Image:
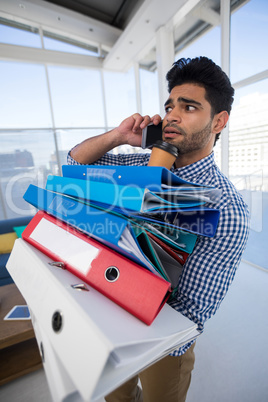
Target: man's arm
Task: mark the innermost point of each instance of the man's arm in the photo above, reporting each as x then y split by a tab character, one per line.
128	132
210	269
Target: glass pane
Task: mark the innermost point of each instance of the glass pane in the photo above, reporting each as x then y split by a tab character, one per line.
25	158
249	165
24	99
248	136
149	92
76	97
249	32
217	151
120	95
207	45
55	44
20	37
67	139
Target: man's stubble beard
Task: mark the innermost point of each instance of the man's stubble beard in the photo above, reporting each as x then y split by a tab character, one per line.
193	142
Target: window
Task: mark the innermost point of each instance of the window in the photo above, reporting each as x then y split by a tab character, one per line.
62	44
76	97
249	32
24	99
25	158
248	163
208	45
67	139
149	92
120	93
19	34
249	138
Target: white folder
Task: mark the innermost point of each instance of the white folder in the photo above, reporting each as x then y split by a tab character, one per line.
89	344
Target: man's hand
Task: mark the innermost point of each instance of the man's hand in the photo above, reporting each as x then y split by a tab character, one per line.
131	128
128	132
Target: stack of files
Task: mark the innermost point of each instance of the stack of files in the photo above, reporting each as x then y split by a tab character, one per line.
116	231
126	283
143	193
135	188
89	345
149	236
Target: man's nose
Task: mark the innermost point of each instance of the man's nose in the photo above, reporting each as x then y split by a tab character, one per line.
173	116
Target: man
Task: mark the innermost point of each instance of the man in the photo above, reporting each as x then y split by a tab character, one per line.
197	110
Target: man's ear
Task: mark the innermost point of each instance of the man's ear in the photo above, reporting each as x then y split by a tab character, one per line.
219	122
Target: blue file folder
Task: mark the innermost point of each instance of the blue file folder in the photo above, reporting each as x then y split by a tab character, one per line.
200	221
193	219
125	198
154	178
111	230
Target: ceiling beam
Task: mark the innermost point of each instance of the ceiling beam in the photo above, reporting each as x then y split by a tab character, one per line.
185	10
208	15
49	57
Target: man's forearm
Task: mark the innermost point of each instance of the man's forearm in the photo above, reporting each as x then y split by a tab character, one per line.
94	148
128	132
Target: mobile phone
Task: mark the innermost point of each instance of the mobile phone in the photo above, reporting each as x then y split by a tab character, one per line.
150	135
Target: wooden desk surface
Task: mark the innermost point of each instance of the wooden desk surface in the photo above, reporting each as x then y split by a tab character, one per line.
19	353
12	332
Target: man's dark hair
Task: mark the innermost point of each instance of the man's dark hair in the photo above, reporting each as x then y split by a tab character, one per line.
204	72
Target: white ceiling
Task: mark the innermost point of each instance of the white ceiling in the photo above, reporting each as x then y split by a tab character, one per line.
124	29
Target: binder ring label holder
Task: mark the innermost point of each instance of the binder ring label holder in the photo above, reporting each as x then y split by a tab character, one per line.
57	321
112	274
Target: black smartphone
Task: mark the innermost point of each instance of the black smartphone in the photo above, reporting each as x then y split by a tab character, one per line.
151	134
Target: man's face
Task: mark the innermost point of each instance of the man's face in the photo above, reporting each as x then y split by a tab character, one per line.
188	123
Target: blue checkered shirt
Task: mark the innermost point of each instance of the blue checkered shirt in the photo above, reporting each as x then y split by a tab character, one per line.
210	269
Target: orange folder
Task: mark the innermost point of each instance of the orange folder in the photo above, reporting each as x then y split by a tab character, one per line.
126	283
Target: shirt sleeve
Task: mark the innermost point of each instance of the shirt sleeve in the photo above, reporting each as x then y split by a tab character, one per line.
131	159
210	269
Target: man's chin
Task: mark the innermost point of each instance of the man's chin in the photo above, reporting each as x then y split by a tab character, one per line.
171	140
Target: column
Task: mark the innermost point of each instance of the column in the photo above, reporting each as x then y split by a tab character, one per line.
164	58
225	64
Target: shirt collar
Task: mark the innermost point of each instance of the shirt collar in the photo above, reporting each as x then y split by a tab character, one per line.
197	168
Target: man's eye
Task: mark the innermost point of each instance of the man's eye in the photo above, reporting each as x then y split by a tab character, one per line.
190	108
168	109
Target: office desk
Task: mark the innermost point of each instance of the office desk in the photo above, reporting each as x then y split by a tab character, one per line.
19	353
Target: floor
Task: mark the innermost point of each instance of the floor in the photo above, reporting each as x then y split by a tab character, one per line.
231	355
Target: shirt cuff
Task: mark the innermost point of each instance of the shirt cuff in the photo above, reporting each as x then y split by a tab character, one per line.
71	160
